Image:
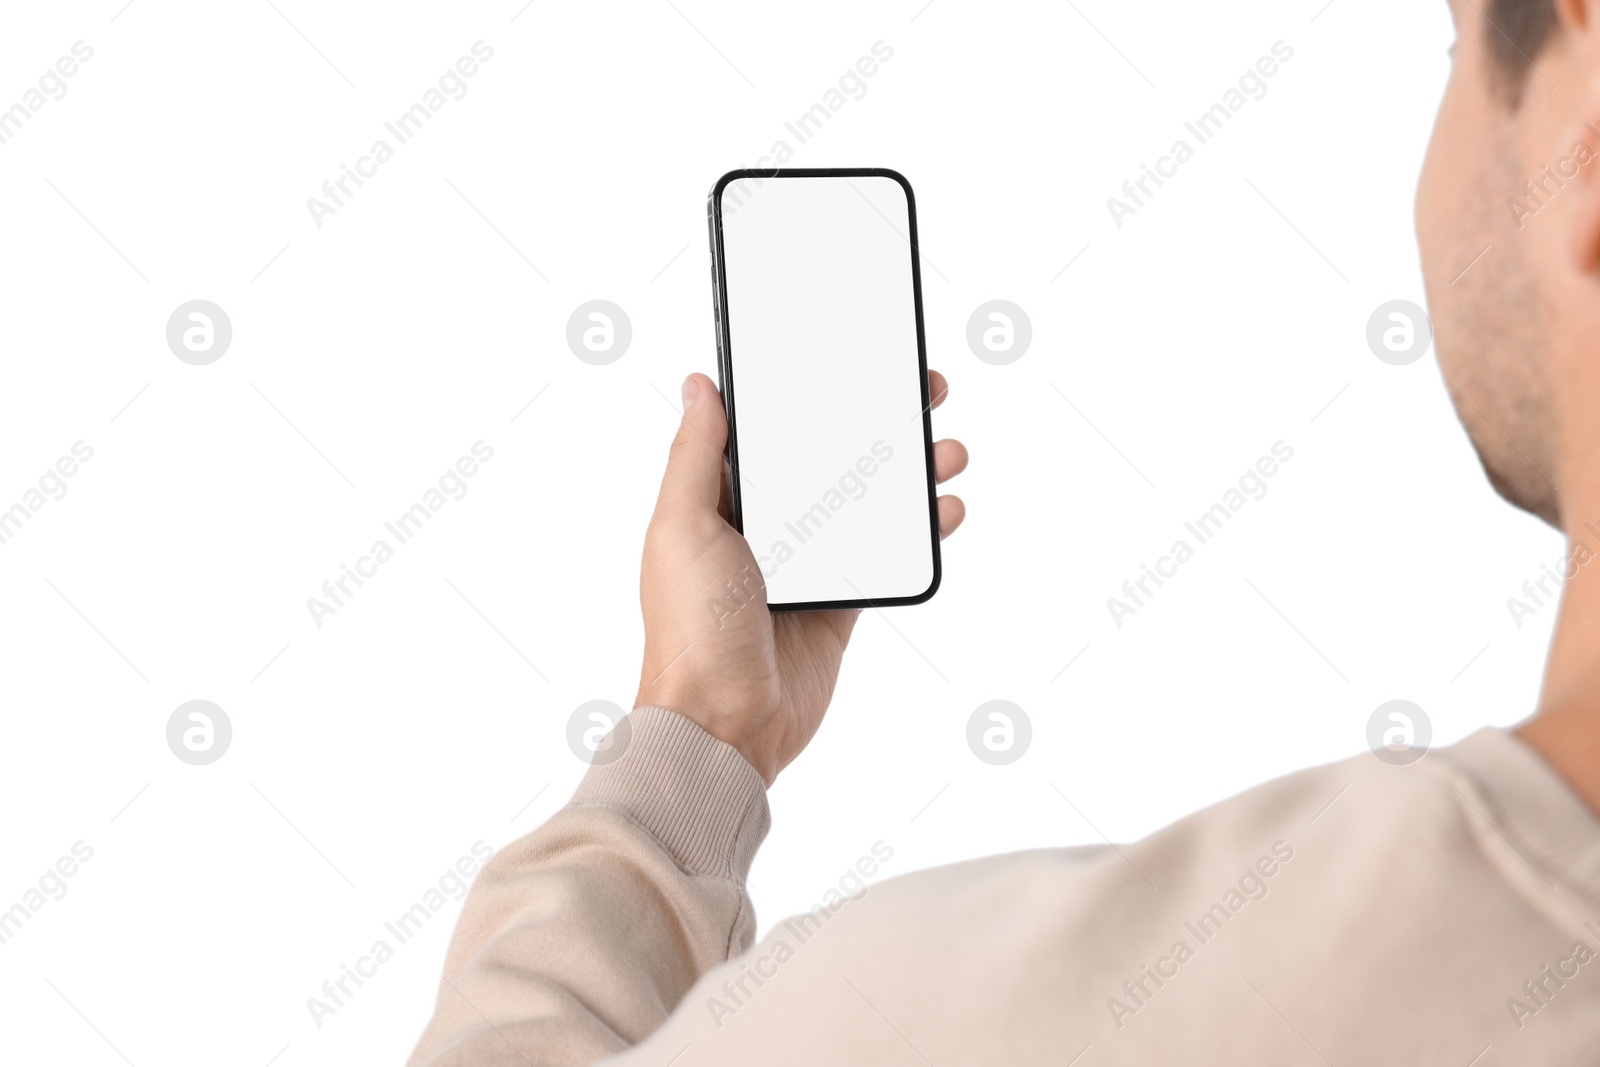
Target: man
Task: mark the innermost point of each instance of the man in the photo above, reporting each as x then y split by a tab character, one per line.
1445	912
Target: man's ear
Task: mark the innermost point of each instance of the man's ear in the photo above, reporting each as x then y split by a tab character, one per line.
1585	216
1580	25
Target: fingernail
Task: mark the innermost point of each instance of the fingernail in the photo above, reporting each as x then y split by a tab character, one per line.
691	389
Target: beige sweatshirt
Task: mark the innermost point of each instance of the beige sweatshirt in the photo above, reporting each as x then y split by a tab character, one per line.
1357	914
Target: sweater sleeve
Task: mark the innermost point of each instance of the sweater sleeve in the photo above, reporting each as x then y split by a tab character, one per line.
578	940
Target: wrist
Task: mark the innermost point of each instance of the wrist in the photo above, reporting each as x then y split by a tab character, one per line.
732	729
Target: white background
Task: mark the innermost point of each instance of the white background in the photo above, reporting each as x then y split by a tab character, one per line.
425	714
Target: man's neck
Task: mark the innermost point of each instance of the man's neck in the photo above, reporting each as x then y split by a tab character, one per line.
1566	732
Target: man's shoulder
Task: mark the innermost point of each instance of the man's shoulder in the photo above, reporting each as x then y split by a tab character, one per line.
1360	801
1363	799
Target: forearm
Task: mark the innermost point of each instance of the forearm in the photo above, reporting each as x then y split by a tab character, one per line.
579	939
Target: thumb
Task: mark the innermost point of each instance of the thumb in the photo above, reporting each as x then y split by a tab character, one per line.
693	481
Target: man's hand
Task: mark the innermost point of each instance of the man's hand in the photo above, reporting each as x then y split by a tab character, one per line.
757	681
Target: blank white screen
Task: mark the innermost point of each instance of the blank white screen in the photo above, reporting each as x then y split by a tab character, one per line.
826	385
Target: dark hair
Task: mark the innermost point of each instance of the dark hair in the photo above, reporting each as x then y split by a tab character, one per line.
1518	31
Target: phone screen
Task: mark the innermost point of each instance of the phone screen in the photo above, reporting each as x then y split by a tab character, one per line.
824	374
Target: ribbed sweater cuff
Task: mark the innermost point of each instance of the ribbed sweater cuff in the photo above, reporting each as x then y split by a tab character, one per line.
696	795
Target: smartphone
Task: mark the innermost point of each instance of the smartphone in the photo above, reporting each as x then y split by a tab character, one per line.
824	373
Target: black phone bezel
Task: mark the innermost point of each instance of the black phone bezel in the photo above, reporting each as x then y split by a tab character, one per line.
725	364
